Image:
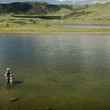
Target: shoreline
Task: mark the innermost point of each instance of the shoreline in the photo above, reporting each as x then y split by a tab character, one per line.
53	30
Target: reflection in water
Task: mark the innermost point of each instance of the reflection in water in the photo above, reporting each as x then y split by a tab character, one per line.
96	54
75	59
75	53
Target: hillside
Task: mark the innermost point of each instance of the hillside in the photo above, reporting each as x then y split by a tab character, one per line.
89	14
94	14
30	8
41	17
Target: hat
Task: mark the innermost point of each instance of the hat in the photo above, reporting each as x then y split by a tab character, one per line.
8	69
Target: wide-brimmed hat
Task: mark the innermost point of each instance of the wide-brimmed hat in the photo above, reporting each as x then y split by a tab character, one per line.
8	69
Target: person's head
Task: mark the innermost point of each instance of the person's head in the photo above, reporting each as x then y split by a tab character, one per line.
8	69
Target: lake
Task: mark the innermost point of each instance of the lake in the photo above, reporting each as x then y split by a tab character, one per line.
62	71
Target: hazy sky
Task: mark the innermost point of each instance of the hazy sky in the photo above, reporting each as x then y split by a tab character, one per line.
60	1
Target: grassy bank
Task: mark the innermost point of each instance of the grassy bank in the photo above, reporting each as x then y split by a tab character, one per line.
20	25
23	23
47	29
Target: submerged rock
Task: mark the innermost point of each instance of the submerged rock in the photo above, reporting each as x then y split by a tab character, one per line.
50	109
14	99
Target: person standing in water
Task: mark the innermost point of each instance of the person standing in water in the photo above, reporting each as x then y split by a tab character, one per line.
9	77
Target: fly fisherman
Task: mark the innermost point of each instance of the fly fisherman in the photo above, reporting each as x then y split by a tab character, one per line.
9	77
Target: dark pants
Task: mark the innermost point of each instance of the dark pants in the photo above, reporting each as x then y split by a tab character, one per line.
8	82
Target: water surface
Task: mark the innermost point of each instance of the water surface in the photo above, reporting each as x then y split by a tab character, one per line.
60	71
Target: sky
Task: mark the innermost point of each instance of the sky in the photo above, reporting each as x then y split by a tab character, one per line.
60	1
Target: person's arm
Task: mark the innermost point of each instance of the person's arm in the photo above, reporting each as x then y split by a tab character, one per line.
13	75
5	75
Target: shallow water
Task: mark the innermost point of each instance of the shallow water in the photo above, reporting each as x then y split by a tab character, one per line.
56	71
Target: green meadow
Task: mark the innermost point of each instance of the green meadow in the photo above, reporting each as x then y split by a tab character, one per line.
89	14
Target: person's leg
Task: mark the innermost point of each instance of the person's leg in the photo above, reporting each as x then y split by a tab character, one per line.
11	81
8	82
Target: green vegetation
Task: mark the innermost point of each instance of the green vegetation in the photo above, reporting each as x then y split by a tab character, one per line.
42	17
94	14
